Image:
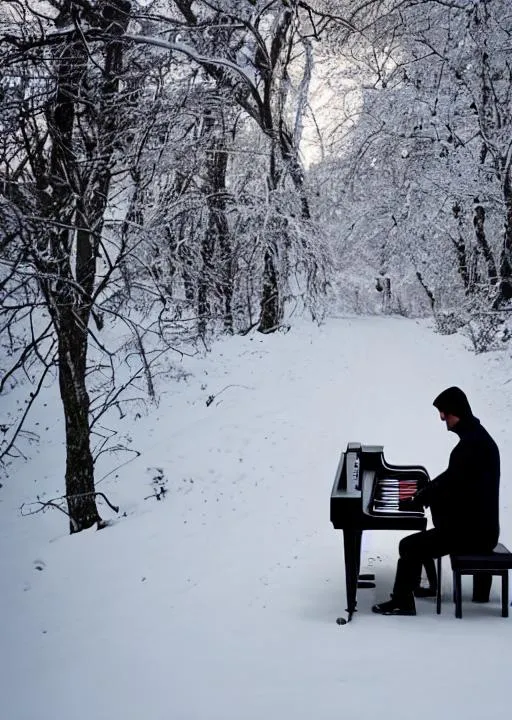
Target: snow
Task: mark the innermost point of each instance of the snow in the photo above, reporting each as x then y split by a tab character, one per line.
243	72
219	602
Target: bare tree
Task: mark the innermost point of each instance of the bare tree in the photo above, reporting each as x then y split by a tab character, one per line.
63	128
427	147
261	52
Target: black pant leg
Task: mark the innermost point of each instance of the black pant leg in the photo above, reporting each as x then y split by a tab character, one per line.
482	587
408	574
430	569
415	550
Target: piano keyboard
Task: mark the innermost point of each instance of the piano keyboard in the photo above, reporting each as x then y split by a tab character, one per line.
390	493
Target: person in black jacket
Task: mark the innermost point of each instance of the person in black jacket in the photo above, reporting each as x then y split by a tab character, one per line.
464	502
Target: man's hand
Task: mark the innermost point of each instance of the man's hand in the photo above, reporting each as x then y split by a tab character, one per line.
421	497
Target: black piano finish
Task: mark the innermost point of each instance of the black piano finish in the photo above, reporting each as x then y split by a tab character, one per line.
353	505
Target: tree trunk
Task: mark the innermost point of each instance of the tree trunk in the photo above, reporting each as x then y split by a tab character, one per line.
462	262
463	265
483	245
226	262
270	306
428	291
80	496
215	278
505	287
203	303
218	227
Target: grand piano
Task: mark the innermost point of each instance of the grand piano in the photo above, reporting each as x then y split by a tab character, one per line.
369	494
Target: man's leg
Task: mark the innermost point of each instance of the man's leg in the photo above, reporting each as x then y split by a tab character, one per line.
482	587
414	551
430	590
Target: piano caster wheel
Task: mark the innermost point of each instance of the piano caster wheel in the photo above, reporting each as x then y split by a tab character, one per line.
344	621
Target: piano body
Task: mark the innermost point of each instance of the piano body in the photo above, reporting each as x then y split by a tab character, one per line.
368	494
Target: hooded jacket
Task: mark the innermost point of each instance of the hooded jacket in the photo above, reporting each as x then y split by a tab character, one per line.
464	499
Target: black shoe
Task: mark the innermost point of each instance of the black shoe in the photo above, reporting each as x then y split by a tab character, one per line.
393	607
425	592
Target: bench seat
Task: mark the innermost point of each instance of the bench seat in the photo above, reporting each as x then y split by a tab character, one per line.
498	562
499	559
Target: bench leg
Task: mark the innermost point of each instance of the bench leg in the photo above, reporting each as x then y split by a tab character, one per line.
457	589
439	585
504	594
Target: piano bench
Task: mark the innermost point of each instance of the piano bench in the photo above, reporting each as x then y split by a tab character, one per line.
499	562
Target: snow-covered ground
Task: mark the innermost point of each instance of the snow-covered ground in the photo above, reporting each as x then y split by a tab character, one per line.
219	602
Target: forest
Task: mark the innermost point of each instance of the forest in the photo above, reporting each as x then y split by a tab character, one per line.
174	170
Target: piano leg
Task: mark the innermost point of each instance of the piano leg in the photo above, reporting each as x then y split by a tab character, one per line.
352	544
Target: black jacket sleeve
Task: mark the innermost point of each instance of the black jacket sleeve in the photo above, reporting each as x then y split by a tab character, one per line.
449	483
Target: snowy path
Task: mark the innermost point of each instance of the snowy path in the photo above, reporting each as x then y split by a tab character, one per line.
219	603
